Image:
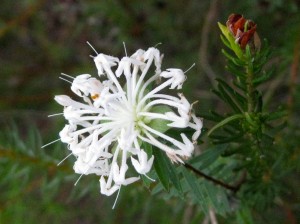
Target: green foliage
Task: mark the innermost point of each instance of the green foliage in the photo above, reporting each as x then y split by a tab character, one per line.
230	42
160	125
166	171
181	182
247	126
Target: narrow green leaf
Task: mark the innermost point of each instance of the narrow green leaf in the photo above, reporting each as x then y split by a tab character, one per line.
175	180
158	188
230	99
230	57
211	192
262	56
218	137
225	41
236	70
195	189
264	77
231	40
259	104
217	115
223	205
250	118
148	149
275	115
169	170
209	156
231	128
146	181
244	216
224	30
160	167
225	121
218	93
236	61
240	99
240	84
248	52
222	94
235	138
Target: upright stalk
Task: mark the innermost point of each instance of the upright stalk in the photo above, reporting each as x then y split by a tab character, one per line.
249	83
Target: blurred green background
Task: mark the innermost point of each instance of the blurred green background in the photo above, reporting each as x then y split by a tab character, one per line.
39	39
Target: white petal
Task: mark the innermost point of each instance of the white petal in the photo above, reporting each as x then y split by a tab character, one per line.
79	84
103	61
136	164
130	180
198	126
119	173
189	146
63	100
139	55
80	166
107	191
178	122
64	134
142	166
176	75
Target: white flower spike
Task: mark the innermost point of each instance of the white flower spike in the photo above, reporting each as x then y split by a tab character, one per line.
113	120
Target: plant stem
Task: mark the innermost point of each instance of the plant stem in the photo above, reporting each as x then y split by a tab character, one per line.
215	181
250	91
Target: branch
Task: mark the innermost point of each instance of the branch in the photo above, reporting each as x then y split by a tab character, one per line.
215	181
210	19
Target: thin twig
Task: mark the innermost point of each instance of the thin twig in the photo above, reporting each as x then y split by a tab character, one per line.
210	19
215	181
212	216
189	213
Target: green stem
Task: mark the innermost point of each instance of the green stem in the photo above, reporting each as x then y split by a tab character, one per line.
250	89
251	102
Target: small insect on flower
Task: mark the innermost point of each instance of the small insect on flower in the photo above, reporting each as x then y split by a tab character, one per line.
113	120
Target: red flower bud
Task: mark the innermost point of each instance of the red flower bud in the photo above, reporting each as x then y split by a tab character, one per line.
243	30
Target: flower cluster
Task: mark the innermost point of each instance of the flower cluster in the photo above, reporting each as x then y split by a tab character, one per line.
105	131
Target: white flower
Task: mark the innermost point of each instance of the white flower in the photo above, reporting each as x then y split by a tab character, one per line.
113	120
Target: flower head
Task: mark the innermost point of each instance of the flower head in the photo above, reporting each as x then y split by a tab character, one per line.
113	119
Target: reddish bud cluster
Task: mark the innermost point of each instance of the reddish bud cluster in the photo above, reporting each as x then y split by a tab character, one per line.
242	29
